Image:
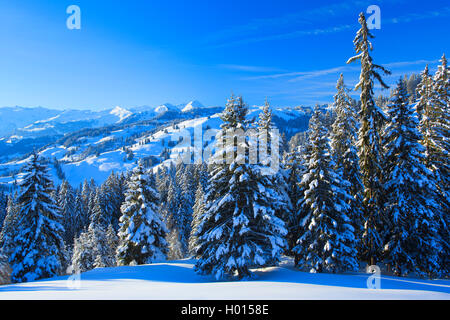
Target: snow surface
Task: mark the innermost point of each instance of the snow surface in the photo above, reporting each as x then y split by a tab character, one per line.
176	280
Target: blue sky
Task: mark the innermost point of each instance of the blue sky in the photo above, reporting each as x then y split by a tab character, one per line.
132	53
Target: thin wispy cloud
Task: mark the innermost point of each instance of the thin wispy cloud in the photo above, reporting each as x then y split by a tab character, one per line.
314	74
301	75
245	68
319	13
304	17
412	17
320	85
409	63
287	35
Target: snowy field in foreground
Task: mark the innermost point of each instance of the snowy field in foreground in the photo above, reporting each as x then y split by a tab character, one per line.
176	280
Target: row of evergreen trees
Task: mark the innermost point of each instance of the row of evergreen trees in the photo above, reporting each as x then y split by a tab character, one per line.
370	184
371	187
93	219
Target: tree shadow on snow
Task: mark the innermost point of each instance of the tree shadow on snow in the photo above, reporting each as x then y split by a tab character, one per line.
349	280
173	271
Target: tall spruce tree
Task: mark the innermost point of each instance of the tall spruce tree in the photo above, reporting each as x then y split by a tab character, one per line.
142	230
271	167
345	154
440	158
369	145
328	242
38	244
411	206
239	228
433	113
441	105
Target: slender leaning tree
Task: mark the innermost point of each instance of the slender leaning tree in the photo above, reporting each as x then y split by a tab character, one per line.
370	152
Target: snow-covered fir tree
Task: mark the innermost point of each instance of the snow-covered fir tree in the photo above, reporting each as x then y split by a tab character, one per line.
38	244
271	166
94	248
198	209
112	241
3	207
328	242
201	174
369	145
185	202
142	230
164	177
5	270
423	104
81	213
175	218
9	226
179	189
433	112
432	106
441	106
106	243
294	170
411	203
86	195
99	217
89	193
112	191
239	228
440	155
345	154
84	251
412	83
66	205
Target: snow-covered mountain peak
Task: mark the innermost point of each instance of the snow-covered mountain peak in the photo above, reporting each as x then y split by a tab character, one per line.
120	112
193	105
165	107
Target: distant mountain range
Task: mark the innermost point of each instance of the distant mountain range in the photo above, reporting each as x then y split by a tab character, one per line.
90	144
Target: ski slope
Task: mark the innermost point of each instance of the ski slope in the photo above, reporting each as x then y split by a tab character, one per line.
176	280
